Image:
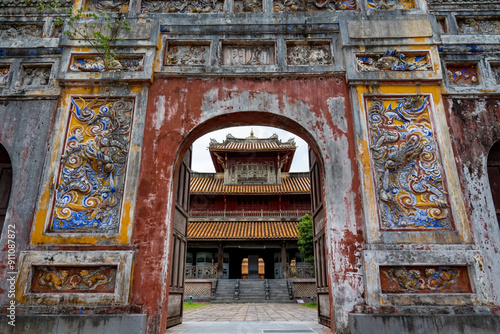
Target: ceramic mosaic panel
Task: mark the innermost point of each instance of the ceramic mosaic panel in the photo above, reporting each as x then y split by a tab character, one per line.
391	4
248	55
248	6
69	279
36	75
462	74
189	6
425	279
92	171
318	53
310	6
408	172
4	74
478	25
187	54
393	61
94	63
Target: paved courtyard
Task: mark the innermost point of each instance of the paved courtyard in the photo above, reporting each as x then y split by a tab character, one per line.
250	319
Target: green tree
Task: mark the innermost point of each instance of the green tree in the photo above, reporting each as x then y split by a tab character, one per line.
306	239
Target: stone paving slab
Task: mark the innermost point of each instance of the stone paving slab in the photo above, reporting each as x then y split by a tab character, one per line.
250	327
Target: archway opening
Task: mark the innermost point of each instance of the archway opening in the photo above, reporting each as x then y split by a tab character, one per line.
494	176
224	222
5	183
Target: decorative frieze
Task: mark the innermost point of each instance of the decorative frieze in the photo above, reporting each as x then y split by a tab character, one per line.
393	61
309	6
237	55
57	279
109	6
19	30
408	173
4	74
187	54
391	4
312	53
478	25
425	279
188	6
248	6
495	68
36	75
462	74
92	171
93	63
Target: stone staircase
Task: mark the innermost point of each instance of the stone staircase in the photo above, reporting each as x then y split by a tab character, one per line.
251	291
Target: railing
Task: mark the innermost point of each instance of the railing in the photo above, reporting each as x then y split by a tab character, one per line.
300	271
268	290
199	272
290	289
249	213
237	290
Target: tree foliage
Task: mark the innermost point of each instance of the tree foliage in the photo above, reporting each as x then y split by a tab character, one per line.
306	238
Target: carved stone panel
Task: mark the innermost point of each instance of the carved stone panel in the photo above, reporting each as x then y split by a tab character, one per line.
478	25
309	6
462	74
90	184
248	6
4	74
237	55
391	4
393	61
19	30
425	279
36	75
188	6
94	63
408	173
117	6
313	53
70	279
187	54
495	68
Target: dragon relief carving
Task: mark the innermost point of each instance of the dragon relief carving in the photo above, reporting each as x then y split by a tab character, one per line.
90	186
73	278
392	61
409	181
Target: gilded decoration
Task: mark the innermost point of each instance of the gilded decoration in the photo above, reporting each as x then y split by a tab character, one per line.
21	30
92	173
391	4
248	55
248	6
73	279
393	61
96	64
312	5
478	25
408	173
462	75
182	6
36	75
187	55
319	54
425	279
4	74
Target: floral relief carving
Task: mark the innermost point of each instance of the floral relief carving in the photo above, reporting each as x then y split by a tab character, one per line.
186	6
92	172
36	75
408	173
312	5
248	6
319	54
187	55
20	30
96	64
391	4
478	25
73	279
393	61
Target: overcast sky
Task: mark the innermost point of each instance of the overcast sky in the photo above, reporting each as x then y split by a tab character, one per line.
203	163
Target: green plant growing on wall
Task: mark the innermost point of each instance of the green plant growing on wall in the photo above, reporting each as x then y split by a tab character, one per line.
306	238
99	30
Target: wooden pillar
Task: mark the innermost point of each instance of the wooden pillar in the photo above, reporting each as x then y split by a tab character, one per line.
220	259
283	260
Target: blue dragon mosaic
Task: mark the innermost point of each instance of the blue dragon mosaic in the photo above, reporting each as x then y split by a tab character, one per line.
409	181
88	194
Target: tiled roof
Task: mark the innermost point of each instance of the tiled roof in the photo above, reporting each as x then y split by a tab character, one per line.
242	230
252	146
289	185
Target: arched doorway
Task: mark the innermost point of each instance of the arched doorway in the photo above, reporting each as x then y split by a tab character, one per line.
5	183
494	175
252	265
